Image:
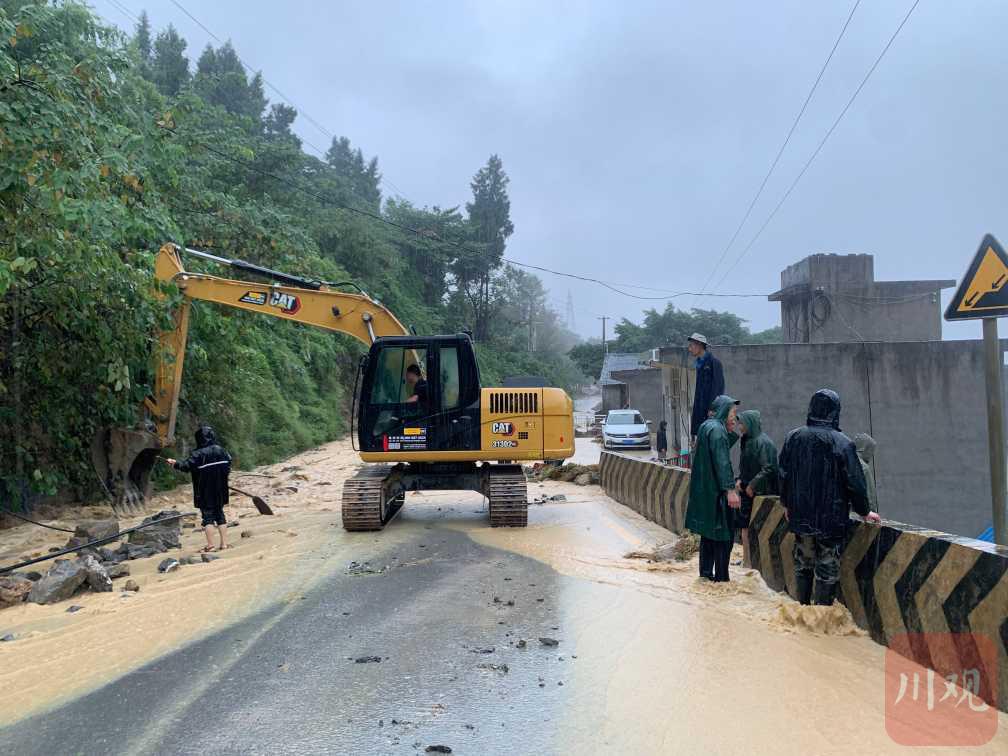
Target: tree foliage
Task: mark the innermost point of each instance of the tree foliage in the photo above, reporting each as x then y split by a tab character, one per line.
111	148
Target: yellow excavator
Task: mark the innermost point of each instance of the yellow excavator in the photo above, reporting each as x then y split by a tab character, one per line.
419	411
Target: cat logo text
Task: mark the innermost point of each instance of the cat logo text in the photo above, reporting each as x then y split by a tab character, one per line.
288	303
503	429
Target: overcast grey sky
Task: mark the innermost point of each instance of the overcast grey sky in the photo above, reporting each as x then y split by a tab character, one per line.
636	133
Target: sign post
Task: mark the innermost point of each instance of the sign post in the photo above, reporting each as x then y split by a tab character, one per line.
983	294
995	427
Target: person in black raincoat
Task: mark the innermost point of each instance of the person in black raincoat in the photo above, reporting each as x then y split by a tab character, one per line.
712	491
710	382
210	467
757	472
661	440
821	479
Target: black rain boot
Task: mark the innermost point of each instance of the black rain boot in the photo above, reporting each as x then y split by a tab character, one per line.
824	593
804	589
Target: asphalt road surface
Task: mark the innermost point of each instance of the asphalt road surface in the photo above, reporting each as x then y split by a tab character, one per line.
442	613
435	641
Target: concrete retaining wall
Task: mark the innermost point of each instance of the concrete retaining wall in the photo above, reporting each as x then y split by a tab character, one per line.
894	579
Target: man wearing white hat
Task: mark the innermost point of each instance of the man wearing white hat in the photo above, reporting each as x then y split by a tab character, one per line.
710	382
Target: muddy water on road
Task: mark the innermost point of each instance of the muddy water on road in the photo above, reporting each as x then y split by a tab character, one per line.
667	663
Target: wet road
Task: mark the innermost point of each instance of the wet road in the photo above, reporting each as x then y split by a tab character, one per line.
287	680
649	660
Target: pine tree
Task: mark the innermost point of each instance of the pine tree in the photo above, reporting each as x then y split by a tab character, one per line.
220	80
170	66
363	179
142	40
490	221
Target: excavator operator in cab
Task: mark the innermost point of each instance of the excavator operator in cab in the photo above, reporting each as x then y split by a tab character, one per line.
415	380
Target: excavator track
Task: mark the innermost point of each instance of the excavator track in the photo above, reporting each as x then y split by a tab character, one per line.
508	497
364	503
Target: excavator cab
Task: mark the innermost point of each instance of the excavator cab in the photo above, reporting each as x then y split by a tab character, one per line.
420	395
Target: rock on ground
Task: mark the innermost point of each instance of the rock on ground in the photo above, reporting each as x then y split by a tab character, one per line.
131	585
159	536
118	571
14	590
97	579
61	582
168	565
93	530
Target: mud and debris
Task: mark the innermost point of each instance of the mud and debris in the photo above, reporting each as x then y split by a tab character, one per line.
631	622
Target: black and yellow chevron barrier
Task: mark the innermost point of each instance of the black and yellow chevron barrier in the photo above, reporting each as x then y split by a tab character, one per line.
658	492
908	587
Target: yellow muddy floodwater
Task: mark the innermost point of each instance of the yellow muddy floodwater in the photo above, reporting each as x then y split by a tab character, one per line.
680	665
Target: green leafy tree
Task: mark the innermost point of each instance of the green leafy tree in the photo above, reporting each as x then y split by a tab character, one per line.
361	178
672	327
169	69
588	356
220	80
106	159
277	123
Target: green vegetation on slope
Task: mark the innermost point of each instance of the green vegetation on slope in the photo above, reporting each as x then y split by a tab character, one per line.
112	146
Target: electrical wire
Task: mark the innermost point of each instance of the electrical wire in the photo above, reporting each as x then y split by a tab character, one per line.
617	288
822	143
472	254
285	98
33	522
783	146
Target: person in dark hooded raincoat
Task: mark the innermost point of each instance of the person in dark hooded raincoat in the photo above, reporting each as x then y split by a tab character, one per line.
757	472
712	490
210	467
821	479
661	441
865	446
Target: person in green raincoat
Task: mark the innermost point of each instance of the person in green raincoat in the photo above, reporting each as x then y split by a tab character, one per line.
757	472
712	490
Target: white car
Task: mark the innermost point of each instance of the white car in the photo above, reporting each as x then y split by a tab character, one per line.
625	429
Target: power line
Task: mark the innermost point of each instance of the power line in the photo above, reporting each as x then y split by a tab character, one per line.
783	146
325	199
616	288
288	100
822	143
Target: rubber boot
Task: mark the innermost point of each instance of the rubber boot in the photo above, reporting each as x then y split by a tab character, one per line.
804	589
824	593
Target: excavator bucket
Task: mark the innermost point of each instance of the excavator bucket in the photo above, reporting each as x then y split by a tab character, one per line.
124	459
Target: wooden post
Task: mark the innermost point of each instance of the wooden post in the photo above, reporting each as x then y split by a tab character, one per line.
995	429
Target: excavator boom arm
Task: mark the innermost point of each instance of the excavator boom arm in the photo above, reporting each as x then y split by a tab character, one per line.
310	303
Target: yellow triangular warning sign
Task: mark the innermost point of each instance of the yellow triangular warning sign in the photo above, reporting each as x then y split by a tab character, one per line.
983	291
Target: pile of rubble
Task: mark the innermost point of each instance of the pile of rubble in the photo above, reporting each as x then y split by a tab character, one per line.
94	567
582	475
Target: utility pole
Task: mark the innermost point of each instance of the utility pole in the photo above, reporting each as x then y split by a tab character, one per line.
995	428
570	311
532	323
605	347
